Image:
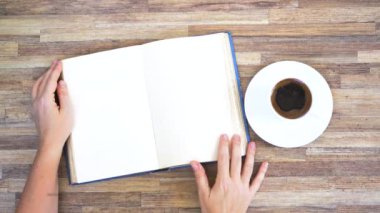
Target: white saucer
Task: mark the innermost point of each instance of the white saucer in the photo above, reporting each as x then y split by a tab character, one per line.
274	128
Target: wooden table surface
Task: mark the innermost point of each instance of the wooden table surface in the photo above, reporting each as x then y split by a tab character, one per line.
339	172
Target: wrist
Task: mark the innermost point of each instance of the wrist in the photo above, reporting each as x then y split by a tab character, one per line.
50	148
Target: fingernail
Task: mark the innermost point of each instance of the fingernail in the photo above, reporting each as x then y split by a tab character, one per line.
195	165
236	136
252	145
224	137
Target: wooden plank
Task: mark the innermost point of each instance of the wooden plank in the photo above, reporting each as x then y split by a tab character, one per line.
272	30
269	199
92	209
355	102
8	48
16	86
289	183
350	68
16	185
128	184
324	15
330	58
29	61
19	116
375	70
361	81
125	199
20	74
17	156
3	185
2	116
347	139
74	47
12	84
169	199
11	98
354	123
372	56
246	72
248	58
292	209
189	210
337	3
319	183
306	45
19	142
358	208
178	184
18	38
340	154
24	31
70	209
17	171
259	16
46	7
324	168
276	154
321	198
7	202
11	131
130	32
39	22
357	183
219	5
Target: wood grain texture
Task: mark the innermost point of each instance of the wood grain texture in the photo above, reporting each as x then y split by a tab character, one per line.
341	29
8	48
339	172
325	15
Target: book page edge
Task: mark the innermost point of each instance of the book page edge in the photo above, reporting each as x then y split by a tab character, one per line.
71	166
236	99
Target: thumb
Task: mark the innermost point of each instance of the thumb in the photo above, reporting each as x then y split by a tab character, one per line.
201	180
63	95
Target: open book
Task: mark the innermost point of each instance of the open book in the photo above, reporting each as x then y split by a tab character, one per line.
152	106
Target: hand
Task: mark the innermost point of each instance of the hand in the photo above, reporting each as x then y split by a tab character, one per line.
54	123
232	191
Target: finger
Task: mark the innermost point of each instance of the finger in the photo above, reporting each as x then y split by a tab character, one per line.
51	84
236	158
223	158
201	179
249	163
46	77
63	96
36	86
256	183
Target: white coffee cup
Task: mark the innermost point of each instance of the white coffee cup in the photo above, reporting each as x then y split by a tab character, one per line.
272	125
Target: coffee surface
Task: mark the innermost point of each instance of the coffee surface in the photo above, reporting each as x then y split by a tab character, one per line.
291	98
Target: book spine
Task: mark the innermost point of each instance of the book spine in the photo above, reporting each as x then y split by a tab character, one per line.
66	156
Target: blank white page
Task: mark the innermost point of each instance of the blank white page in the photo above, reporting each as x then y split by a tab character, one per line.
113	133
192	100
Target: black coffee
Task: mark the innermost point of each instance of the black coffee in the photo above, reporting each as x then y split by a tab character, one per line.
291	98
